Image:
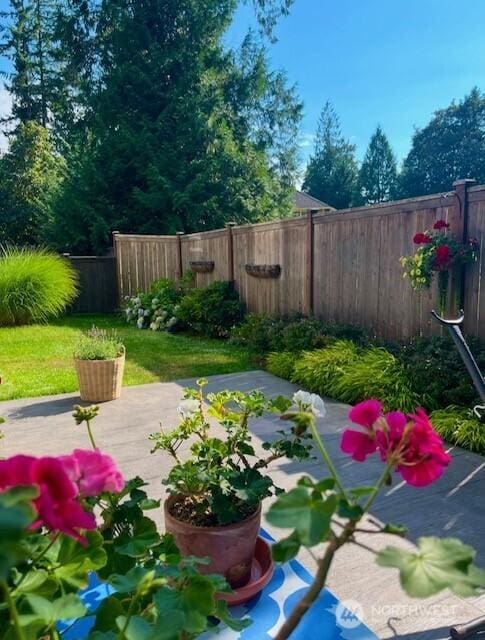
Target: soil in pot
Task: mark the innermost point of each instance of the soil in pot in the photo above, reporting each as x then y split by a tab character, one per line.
230	548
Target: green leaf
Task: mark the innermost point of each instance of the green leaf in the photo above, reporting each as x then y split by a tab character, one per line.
438	564
327	484
137	629
250	486
280	404
286	549
50	612
224	615
107	613
169	628
143	537
348	510
136	579
77	561
395	529
308	513
361	492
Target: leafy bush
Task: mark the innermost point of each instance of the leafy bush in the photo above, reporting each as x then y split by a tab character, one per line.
375	373
460	426
212	311
265	333
318	370
434	364
35	285
282	364
97	344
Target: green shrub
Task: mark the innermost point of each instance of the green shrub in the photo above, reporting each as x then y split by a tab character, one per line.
460	426
318	370
258	332
155	309
437	371
98	344
375	373
212	311
282	364
302	334
35	285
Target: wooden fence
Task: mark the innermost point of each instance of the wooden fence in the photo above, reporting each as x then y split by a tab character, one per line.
342	266
98	290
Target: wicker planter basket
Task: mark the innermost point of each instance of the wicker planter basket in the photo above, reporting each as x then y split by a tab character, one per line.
100	380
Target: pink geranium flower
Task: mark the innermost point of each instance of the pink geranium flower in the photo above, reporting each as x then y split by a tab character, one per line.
440	224
93	472
56	505
409	443
421	238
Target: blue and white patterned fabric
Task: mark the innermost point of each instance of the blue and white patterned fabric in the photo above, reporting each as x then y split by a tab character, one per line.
267	611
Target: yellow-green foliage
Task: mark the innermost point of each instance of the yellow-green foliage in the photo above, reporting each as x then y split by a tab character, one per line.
375	373
282	364
35	285
460	426
318	370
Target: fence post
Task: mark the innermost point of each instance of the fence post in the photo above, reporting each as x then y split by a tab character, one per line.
180	267
230	251
461	193
309	263
114	236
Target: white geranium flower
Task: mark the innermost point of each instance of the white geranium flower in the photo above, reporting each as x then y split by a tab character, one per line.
188	407
310	402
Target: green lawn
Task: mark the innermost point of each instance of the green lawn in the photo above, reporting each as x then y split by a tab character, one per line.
37	360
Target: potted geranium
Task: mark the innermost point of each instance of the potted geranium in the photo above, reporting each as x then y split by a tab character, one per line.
438	254
214	507
100	361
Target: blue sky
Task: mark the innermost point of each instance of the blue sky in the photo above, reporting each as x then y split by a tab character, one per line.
391	62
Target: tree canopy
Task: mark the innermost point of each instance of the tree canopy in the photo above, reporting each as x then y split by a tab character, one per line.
378	174
331	172
450	147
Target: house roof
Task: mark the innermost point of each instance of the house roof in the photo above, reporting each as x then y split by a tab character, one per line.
304	201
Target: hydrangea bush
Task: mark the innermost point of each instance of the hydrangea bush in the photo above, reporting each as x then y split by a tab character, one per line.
157	309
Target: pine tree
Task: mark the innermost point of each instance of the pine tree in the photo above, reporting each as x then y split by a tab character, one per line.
331	172
378	174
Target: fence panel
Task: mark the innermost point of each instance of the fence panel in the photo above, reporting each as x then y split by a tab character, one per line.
357	275
282	243
475	274
141	260
98	291
211	246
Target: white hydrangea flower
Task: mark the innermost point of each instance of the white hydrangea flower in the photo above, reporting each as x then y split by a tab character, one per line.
136	300
140	322
172	322
188	407
310	402
153	326
155	301
146	313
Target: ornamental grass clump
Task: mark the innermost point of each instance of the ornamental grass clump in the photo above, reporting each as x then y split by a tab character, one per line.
320	370
35	285
282	364
460	426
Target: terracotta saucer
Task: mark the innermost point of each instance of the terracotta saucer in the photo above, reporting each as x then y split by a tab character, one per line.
261	573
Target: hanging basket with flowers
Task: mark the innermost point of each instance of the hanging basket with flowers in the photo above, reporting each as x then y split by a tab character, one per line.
438	254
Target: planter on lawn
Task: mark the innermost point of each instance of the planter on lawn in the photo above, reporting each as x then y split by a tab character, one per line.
230	548
100	380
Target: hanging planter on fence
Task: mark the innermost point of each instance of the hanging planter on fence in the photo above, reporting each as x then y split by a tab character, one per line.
263	270
202	266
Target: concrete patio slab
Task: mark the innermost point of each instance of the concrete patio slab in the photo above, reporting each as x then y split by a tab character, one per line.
454	506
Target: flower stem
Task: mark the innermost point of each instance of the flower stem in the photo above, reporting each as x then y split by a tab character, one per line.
326	457
379	485
90	434
14	616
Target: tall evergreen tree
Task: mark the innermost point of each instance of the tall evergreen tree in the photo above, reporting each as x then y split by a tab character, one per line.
331	172
30	174
450	147
378	174
183	134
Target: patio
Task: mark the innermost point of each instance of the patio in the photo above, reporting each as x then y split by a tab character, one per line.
451	507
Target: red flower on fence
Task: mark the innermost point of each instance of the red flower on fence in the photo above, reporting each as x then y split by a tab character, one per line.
441	224
421	238
442	257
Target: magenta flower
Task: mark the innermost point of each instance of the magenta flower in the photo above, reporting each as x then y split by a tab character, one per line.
440	224
408	443
93	472
421	238
56	505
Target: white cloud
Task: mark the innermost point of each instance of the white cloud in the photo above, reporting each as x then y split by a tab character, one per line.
307	140
5	110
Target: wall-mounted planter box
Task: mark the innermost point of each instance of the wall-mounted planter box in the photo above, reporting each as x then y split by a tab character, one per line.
263	270
202	266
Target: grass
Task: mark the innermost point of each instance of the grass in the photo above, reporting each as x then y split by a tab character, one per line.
37	360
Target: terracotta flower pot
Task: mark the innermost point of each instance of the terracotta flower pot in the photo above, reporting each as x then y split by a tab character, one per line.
100	380
230	548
